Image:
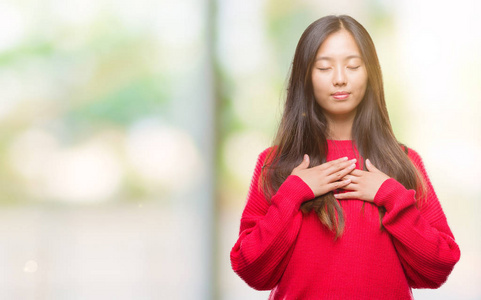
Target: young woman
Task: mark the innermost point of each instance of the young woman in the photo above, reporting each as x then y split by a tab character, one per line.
338	208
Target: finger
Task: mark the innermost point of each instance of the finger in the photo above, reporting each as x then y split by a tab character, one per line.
354	179
346	195
304	163
337	185
331	163
353	187
357	172
341	173
340	166
370	166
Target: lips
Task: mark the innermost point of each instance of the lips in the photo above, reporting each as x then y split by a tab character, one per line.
340	95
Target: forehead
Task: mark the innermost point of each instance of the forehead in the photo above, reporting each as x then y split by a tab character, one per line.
338	45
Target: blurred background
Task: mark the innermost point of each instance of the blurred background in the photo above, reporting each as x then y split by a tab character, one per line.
129	131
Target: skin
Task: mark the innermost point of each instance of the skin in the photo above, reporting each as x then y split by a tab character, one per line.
339	67
363	185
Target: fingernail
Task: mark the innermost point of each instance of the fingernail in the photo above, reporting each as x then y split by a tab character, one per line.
345	158
305	156
368	161
353	160
353	165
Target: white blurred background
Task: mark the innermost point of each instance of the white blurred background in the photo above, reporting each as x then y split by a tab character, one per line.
129	133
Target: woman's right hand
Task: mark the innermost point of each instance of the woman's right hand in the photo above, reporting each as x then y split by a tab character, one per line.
325	177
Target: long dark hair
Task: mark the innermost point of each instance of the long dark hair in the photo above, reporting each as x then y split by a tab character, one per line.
304	128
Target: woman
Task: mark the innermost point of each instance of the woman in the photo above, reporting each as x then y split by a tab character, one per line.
338	208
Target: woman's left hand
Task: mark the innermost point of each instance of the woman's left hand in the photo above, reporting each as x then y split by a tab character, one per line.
364	184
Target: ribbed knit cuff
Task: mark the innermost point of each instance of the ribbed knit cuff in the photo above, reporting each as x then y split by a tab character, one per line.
392	194
295	190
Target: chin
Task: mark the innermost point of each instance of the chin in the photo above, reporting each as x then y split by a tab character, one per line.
341	113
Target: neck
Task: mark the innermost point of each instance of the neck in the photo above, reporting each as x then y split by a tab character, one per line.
340	127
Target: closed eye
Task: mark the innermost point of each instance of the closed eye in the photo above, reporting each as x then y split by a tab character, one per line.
354	68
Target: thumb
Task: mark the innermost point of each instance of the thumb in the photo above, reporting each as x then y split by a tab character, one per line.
304	164
370	166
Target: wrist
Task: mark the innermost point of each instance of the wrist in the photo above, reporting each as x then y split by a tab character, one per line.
296	189
388	193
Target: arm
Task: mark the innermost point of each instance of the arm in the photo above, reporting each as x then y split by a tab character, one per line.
421	235
268	231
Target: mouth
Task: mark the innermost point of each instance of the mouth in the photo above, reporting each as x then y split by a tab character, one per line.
342	95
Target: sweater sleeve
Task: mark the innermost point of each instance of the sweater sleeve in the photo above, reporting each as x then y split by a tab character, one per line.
268	230
421	235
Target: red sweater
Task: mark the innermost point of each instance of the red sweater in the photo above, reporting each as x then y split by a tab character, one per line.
294	255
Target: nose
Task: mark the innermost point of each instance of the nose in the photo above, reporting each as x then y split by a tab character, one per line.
339	77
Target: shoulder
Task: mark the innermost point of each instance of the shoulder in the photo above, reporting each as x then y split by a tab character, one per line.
267	151
267	154
414	157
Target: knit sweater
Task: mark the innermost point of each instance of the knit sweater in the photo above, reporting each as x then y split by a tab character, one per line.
291	253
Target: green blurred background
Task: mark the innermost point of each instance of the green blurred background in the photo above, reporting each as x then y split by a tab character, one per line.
129	133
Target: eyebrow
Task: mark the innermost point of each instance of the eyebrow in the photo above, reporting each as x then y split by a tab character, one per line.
330	58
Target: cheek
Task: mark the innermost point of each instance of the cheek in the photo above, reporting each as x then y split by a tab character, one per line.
361	83
319	83
364	80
